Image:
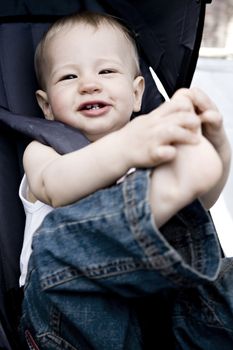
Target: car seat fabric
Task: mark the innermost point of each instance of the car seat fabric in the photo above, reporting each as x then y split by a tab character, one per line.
11	228
169	42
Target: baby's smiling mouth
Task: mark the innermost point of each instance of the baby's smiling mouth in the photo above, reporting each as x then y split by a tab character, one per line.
94	108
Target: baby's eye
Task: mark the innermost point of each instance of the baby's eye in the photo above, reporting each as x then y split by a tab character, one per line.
107	71
69	76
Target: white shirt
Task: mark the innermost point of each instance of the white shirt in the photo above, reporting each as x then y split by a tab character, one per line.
35	214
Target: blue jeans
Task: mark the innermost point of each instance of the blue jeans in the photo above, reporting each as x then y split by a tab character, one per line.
102	276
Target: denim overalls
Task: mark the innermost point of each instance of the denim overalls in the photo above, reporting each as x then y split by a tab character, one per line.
102	276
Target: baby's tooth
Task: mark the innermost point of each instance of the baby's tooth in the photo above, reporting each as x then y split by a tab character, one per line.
96	106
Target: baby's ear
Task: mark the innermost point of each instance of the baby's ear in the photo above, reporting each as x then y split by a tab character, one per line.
139	86
42	99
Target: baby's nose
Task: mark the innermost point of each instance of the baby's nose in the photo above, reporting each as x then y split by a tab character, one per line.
88	86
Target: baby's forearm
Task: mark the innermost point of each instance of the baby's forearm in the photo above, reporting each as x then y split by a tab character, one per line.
83	172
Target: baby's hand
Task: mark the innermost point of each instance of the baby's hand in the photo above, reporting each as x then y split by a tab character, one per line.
152	139
212	121
212	124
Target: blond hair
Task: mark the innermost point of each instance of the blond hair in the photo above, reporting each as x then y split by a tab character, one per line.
90	18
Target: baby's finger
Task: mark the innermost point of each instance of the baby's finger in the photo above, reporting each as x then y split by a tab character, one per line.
201	100
163	153
166	152
175	134
213	118
183	119
182	100
179	102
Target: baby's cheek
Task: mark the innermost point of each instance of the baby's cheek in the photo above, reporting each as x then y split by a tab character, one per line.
60	107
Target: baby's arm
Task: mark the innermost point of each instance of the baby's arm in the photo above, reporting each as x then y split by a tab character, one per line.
145	142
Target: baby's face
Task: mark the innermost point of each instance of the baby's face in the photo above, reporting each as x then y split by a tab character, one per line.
90	79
